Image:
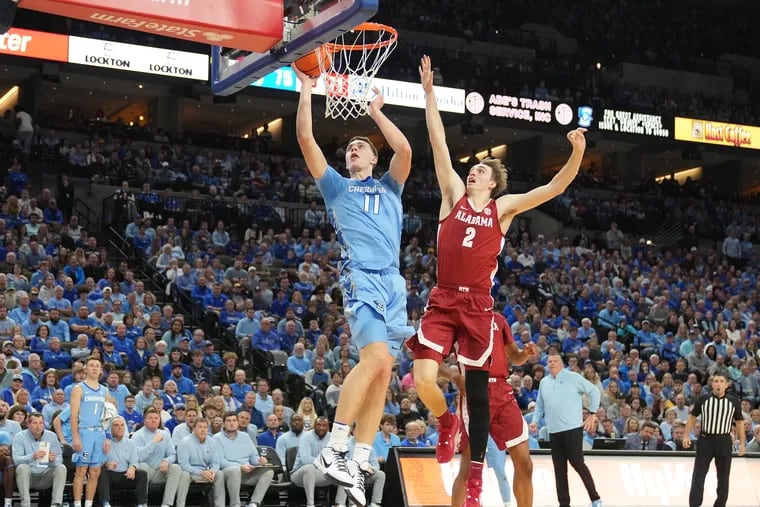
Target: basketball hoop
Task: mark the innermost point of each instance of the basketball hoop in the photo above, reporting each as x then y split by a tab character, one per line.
349	64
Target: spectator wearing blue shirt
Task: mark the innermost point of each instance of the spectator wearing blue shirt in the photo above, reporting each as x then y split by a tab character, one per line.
116	389
214	302
57	326
139	355
55	357
184	384
297	363
585	306
609	317
33	373
210	358
82	322
58	402
41	341
571	344
288	337
240	387
280	304
586	331
220	237
272	433
133	417
669	350
611	345
22	312
266	338
43	393
110	355
413	432
52	215
141	241
200	291
385	438
229	317
246	328
121	343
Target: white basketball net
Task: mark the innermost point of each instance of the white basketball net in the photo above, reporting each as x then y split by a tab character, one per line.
355	58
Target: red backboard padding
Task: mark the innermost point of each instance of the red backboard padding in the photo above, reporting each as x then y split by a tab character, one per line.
253	25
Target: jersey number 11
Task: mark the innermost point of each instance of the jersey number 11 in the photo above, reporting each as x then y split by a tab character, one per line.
372	203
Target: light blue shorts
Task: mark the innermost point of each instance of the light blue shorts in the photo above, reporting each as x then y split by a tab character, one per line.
375	305
92	448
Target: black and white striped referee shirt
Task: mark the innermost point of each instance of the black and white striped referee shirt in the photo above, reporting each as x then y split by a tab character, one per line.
718	414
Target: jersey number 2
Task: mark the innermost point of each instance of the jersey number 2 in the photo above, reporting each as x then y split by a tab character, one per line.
372	203
469	236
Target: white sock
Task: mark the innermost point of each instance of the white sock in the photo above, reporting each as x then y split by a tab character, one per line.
339	435
77	503
361	453
88	503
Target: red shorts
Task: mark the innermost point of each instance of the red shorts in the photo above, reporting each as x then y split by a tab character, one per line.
453	319
508	427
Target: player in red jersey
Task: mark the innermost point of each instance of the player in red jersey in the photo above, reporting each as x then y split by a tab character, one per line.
459	311
507	426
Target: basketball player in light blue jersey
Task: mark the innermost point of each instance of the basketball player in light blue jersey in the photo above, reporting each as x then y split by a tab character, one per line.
367	217
88	436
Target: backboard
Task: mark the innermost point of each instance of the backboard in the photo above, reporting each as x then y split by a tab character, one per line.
321	21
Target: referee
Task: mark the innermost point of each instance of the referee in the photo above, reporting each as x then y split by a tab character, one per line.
719	411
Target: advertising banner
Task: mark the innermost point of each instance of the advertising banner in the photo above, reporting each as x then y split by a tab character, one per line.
150	60
642	124
33	44
522	109
396	93
717	132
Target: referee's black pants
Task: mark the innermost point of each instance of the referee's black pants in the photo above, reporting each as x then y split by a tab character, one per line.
719	447
568	446
117	480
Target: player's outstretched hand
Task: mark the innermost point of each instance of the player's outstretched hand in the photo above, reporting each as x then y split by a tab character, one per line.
378	102
302	77
686	442
426	74
577	138
532	350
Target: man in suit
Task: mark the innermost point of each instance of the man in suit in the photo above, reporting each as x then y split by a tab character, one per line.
644	440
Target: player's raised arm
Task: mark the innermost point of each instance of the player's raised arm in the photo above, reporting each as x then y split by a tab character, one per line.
316	162
510	205
452	187
401	163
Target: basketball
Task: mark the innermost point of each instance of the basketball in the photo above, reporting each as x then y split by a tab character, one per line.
309	64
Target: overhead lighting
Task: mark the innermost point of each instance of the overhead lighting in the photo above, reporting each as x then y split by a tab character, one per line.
246	136
695	173
141	118
272	124
10	98
140	86
499	152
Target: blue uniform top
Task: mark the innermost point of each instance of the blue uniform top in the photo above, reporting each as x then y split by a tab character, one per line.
367	217
91	407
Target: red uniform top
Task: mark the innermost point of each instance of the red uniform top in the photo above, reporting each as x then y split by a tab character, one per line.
502	336
469	243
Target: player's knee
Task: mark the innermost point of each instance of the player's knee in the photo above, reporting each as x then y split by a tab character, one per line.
523	466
